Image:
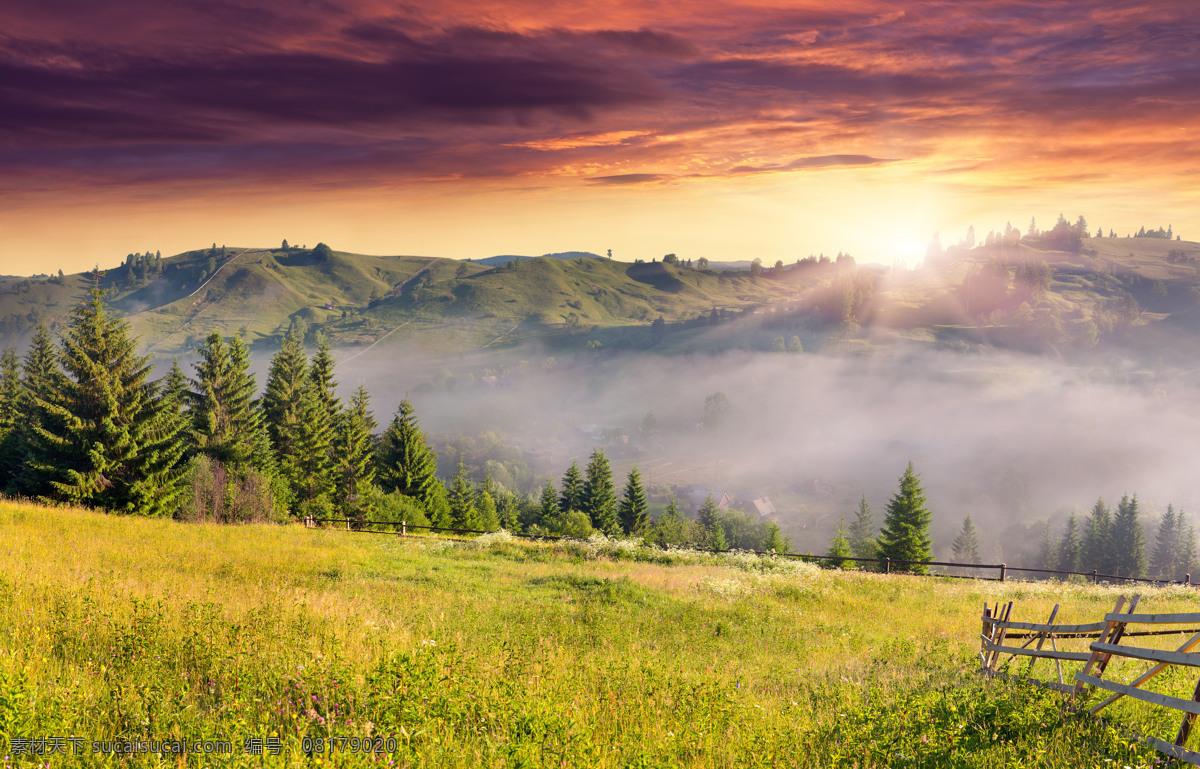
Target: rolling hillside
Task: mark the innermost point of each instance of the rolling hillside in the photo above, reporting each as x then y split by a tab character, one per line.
1138	294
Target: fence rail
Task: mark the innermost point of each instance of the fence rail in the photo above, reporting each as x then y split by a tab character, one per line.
1108	635
1002	570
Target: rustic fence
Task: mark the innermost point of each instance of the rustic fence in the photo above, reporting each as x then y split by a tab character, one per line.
1104	640
886	565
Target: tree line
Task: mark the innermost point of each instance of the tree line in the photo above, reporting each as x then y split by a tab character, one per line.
82	422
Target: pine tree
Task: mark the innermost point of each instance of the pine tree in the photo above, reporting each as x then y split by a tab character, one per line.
1129	540
710	523
165	446
966	544
463	512
1162	563
41	376
634	507
572	494
488	520
775	541
839	546
905	535
863	534
600	497
285	410
1186	562
11	391
549	505
1096	545
227	421
355	457
321	413
1067	558
97	432
406	463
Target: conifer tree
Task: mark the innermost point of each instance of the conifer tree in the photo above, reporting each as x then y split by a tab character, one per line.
549	505
488	519
709	518
1185	565
863	534
355	456
1162	562
11	389
97	431
572	495
600	497
406	463
166	444
285	410
41	376
463	512
905	534
227	421
1096	545
1129	540
839	546
966	544
1067	558
775	541
315	446
634	507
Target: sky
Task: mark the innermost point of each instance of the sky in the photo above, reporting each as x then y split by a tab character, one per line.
469	129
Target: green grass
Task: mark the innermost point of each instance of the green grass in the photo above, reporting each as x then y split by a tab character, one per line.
505	653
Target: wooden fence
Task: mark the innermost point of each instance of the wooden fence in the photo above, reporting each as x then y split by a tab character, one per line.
1104	640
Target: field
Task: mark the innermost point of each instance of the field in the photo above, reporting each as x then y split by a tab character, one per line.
499	653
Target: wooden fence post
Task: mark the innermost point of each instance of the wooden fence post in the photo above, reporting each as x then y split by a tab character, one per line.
403	528
1095	577
1003	568
887	565
985	635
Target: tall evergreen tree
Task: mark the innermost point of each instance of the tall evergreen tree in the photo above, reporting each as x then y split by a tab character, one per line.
96	433
355	456
709	518
315	444
775	541
285	410
488	518
1129	540
406	463
463	512
549	504
966	544
41	376
572	495
634	507
1067	558
166	444
1096	547
839	546
600	496
11	391
863	536
905	534
1162	562
227	421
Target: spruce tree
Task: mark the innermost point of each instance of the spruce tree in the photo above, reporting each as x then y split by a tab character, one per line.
11	391
1067	558
41	376
572	495
315	446
1129	540
839	546
549	505
600	497
96	432
227	421
463	512
863	537
1096	545
775	541
905	535
488	519
166	445
354	453
634	507
285	410
406	463
709	518
966	544
1162	562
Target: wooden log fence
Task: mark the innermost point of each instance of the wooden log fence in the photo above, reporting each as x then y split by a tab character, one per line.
1108	642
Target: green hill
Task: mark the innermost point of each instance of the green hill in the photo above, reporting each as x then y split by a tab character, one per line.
1136	293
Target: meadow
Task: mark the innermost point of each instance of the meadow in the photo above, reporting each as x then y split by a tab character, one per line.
371	650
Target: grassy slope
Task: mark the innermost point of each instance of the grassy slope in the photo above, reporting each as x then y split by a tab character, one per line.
512	654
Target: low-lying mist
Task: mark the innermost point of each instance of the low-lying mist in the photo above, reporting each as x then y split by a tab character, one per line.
1011	440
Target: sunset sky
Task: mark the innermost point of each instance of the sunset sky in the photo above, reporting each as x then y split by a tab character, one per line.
469	129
